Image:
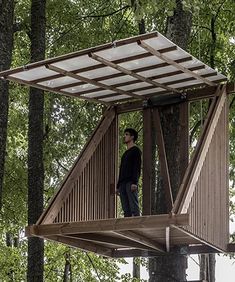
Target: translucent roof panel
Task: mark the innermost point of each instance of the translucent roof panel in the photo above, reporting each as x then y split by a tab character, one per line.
129	69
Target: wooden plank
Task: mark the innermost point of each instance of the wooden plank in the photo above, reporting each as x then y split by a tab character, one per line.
147	161
54	205
118	224
202	153
163	160
173	63
81	244
93	82
133	236
130	72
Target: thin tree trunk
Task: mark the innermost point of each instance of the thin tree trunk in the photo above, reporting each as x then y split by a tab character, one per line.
172	267
6	45
35	145
136	269
207	267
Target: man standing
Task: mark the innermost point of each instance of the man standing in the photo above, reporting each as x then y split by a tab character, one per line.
129	173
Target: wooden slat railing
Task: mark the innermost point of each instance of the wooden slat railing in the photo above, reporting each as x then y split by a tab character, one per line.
87	192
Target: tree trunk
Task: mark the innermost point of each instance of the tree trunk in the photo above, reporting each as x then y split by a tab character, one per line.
35	145
172	267
6	45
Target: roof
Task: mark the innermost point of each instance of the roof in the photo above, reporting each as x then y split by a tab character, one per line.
135	68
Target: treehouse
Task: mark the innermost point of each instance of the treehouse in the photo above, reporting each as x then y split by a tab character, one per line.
141	73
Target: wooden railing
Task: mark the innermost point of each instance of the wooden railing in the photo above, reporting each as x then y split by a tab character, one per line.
88	190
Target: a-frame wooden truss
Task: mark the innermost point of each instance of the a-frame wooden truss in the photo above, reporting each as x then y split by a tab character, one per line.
82	212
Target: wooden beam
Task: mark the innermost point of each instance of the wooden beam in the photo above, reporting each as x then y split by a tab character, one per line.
147	161
173	63
81	244
133	236
163	160
118	224
131	73
201	155
92	82
120	242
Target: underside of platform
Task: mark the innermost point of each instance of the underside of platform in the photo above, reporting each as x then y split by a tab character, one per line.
121	237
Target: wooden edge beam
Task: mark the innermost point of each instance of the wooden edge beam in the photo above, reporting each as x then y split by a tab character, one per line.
133	236
119	224
76	243
92	82
173	63
131	73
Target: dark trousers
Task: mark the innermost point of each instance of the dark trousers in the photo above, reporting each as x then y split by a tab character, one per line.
129	200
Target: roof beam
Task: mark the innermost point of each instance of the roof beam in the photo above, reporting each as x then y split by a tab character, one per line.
93	82
131	73
173	63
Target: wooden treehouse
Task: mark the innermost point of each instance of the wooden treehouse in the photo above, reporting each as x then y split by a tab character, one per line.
139	73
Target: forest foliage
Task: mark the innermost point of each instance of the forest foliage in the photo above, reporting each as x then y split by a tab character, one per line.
73	25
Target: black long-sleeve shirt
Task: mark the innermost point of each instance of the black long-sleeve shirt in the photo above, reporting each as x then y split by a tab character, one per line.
130	166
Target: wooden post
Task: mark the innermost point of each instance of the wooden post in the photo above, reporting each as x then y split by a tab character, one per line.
147	161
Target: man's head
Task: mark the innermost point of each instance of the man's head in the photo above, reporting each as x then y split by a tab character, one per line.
130	135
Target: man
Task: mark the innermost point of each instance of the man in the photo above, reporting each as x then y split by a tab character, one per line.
129	173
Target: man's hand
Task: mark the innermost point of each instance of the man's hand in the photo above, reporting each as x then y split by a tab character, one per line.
133	187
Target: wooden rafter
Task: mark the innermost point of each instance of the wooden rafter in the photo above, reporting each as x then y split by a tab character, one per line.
173	63
93	82
21	81
131	73
163	160
192	173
